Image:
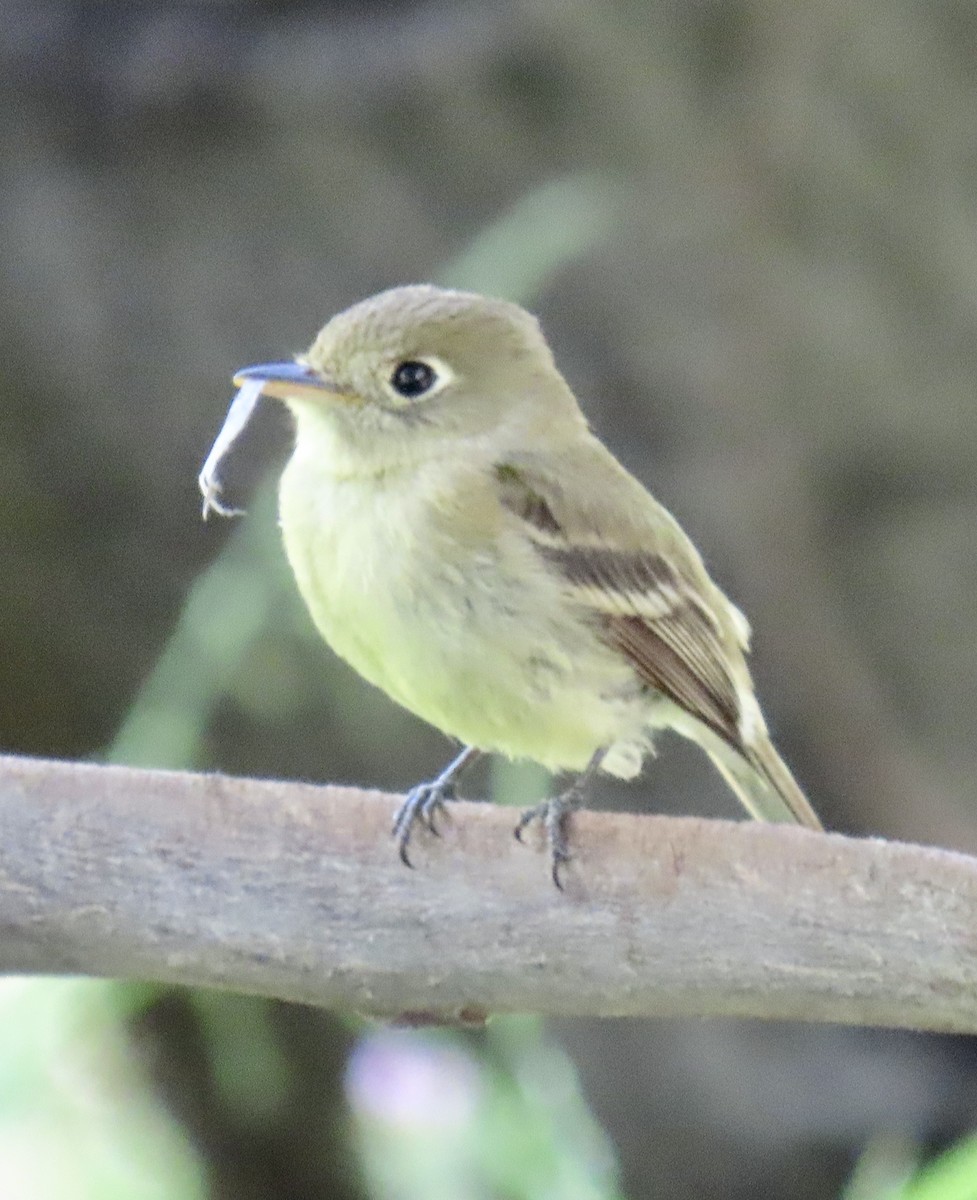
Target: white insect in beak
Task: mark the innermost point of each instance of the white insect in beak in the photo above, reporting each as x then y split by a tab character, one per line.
237	417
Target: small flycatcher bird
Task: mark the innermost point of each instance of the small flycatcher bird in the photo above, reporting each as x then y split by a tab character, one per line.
465	542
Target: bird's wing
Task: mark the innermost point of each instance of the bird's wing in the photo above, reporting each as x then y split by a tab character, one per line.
628	563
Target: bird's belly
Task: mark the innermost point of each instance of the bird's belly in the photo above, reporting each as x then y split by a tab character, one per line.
484	653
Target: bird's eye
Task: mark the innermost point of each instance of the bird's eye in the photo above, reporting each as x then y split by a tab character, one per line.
413	378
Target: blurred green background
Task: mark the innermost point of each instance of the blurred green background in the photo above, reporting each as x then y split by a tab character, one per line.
750	231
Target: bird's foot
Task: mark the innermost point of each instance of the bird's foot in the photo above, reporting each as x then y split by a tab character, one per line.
423	804
554	816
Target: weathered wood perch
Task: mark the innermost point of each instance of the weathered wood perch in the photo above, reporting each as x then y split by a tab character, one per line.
295	891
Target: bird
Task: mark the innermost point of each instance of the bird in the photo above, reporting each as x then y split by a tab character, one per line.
464	540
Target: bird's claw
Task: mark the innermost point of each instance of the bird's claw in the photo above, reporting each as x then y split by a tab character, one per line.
422	803
553	815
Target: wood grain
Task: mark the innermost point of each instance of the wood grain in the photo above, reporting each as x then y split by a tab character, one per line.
295	891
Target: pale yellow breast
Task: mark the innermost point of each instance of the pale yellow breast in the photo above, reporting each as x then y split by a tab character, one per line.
421	585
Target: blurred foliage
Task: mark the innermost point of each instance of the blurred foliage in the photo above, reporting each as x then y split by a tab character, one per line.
889	1170
78	1117
952	1176
442	1121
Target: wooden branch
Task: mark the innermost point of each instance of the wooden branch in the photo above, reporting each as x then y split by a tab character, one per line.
295	891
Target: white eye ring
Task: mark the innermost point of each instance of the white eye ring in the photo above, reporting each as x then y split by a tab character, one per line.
443	375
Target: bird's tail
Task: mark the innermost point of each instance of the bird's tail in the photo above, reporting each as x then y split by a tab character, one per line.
763	783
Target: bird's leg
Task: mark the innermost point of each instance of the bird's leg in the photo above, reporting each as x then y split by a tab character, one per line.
425	800
555	812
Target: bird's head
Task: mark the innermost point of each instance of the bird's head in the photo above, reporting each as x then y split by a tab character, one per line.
397	376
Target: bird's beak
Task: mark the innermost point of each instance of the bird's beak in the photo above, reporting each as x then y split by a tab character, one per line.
288	380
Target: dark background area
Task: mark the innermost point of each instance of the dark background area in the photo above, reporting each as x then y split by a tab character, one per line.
770	317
